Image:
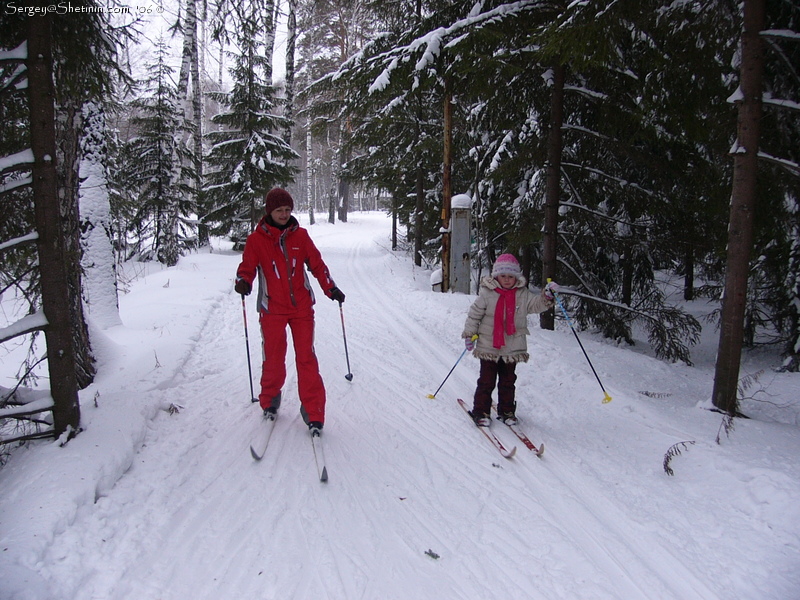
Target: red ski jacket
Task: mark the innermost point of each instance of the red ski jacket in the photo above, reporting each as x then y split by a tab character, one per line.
278	257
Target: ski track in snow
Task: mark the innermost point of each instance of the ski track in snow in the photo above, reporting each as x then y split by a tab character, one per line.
418	505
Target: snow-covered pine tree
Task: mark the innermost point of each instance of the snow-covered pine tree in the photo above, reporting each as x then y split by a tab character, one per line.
513	46
773	311
18	257
394	112
157	165
645	172
248	155
605	190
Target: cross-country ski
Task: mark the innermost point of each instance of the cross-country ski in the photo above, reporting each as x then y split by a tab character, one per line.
319	455
489	435
260	443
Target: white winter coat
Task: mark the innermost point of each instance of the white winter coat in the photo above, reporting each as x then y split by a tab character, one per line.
480	320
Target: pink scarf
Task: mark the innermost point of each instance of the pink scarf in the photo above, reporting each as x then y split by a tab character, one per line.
506	305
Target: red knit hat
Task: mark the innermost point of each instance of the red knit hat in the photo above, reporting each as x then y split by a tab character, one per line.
276	198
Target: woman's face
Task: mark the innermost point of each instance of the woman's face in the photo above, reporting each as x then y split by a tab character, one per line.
281	215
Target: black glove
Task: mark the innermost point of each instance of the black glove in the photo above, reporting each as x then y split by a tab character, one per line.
336	294
242	287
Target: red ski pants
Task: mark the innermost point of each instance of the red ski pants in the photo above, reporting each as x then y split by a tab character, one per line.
273	370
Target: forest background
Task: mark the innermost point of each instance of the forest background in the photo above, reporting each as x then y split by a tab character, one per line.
610	127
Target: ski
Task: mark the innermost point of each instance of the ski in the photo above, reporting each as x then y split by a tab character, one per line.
505	453
525	440
522	436
259	446
319	456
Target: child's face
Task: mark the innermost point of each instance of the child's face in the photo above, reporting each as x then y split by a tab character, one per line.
507	281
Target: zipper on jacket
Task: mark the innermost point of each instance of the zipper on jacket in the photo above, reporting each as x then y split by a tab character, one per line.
288	269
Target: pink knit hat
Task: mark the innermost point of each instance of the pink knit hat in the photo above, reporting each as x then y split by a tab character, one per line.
276	198
507	264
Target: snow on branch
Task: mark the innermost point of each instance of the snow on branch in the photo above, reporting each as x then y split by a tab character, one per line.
665	325
586	130
14	184
791	104
16	162
621	182
586	92
17	54
31	408
26	324
787	34
432	42
606	216
19	240
791	166
17	80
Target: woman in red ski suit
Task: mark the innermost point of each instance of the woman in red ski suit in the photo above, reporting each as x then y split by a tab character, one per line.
277	252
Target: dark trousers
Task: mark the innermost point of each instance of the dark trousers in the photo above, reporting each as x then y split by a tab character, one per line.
503	375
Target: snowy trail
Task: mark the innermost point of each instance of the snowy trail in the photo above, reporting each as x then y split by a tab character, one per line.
645	567
418	505
606	543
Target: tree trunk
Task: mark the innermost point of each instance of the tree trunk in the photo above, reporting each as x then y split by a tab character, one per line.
309	175
447	192
552	188
197	130
68	124
394	221
51	247
688	276
344	199
291	42
419	215
332	195
343	187
627	277
189	32
270	11
743	201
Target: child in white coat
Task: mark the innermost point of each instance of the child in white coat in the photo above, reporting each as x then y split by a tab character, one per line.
499	318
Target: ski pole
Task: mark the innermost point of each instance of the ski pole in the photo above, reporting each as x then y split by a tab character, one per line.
606	398
247	345
349	375
433	395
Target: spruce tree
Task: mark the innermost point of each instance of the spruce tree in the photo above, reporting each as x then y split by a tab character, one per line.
157	167
248	155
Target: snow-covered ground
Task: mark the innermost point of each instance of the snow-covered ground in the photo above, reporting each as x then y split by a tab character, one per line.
150	503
